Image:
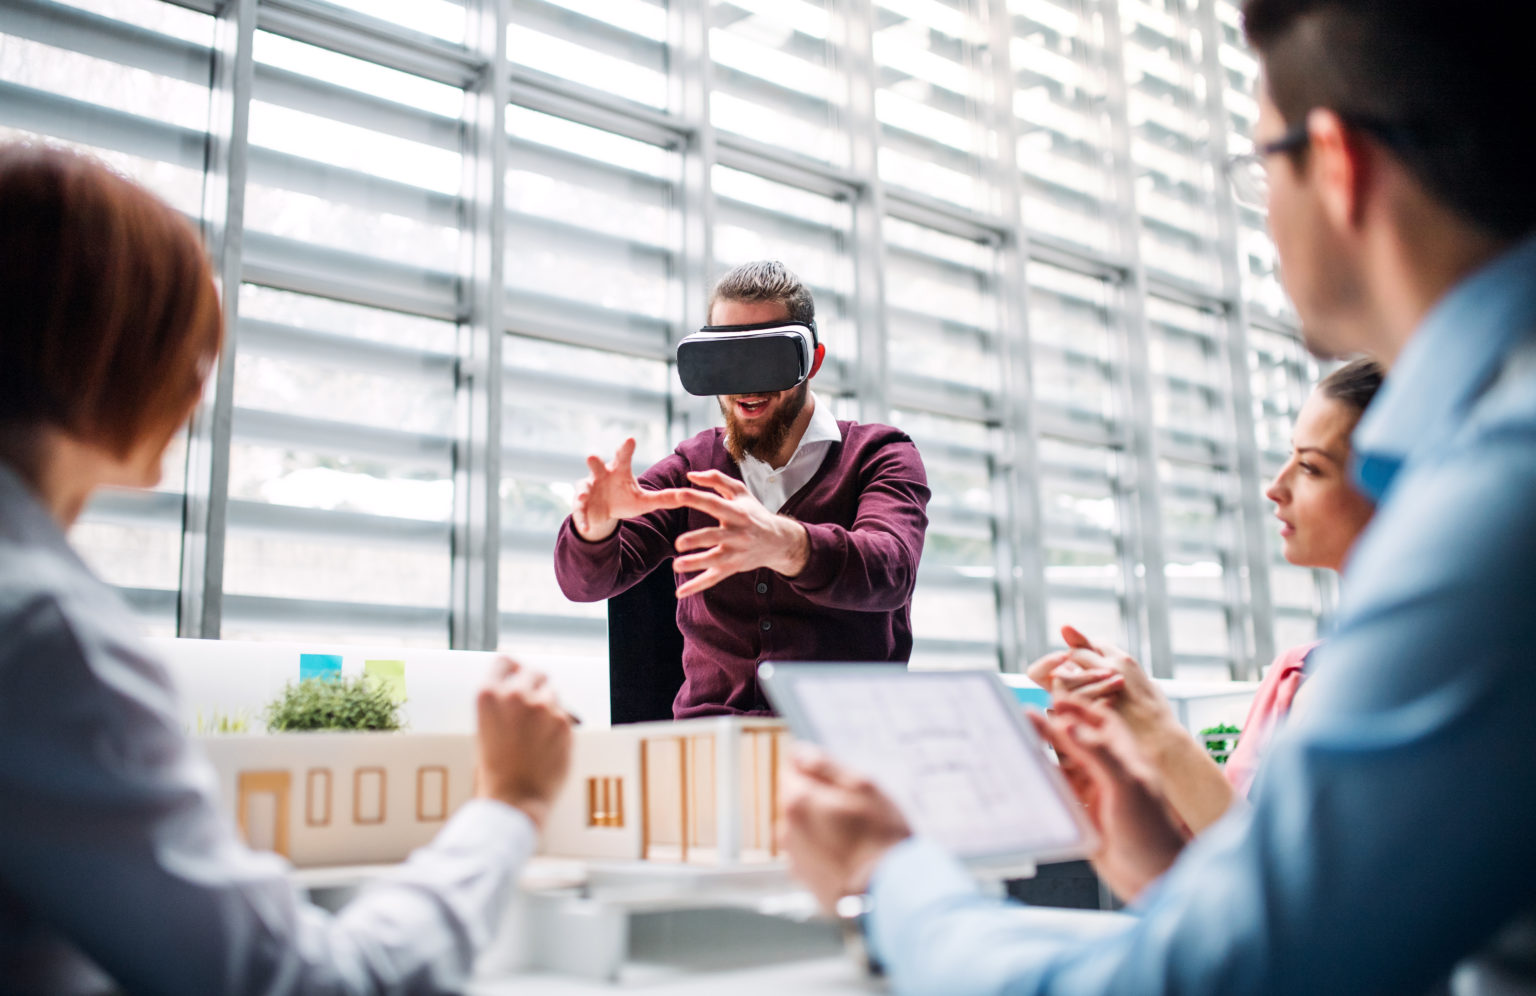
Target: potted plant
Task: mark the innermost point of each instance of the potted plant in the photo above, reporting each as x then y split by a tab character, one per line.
1220	741
359	703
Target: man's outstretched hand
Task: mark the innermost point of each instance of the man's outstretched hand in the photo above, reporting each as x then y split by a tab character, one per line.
611	493
837	826
748	535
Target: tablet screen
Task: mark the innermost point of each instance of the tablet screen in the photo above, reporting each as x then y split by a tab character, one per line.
950	748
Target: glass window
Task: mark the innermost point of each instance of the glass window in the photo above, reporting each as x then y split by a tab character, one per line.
593	298
1170	138
341	461
931	100
614	46
355	285
1256	253
758	218
942	313
341	489
775	76
1064	129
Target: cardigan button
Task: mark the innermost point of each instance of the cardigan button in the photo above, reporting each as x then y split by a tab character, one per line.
762	587
767	625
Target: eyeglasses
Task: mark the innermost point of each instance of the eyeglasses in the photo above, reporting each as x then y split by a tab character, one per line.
1249	171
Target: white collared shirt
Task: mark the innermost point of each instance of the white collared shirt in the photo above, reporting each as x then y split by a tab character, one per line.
774	487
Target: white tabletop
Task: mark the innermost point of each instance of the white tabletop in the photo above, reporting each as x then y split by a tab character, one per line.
813	977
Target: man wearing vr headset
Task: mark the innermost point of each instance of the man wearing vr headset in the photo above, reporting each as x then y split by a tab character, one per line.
793	536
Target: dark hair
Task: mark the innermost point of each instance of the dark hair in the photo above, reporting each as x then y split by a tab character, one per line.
109	319
766	280
1355	384
1438	84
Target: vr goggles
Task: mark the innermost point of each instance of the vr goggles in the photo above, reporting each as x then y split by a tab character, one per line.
746	359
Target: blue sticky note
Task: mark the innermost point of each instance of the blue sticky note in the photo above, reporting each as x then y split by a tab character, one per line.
1038	697
319	666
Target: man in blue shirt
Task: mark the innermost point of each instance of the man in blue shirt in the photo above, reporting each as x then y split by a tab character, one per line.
1391	846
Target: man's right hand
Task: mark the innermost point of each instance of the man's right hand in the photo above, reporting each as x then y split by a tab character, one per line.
611	493
525	740
1140	836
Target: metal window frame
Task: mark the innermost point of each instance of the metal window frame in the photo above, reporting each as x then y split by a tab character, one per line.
474	609
205	514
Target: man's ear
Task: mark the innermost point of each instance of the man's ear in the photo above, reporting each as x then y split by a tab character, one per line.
821	354
1342	166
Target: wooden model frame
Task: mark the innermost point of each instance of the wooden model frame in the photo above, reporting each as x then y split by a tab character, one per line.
706	791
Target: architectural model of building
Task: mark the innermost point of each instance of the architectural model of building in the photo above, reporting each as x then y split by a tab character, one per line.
702	791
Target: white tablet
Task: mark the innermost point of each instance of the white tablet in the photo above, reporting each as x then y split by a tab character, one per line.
951	748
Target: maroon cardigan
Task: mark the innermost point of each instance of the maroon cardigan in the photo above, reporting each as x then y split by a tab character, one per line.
864	512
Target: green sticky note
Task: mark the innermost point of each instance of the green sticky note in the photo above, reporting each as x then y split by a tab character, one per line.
392	673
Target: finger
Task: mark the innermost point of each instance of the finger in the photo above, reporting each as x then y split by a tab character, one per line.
723	483
1052	731
705	502
1101	690
1040	671
1089	660
712	559
805	756
819	766
1067	738
1076	710
703	582
1042	727
597	467
1110	650
811	763
700	539
626	453
1076	639
1101	752
504	667
1081	677
664	497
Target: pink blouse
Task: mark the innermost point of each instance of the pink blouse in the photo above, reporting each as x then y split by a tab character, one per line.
1270	704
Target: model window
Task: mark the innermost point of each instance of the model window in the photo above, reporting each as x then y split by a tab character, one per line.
605	802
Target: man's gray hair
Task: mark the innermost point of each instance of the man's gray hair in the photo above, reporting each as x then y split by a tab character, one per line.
766	280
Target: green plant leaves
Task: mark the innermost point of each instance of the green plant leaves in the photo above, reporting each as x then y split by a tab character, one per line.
360	703
1217	743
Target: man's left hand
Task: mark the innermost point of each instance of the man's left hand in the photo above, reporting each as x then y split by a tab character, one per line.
748	536
837	827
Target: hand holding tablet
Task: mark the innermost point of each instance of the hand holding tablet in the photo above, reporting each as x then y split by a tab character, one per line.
951	749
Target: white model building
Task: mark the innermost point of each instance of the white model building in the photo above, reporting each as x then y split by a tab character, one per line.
702	791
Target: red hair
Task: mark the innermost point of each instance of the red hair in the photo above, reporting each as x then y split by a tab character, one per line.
109	318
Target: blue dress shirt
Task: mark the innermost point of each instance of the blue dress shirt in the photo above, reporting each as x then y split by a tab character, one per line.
1394	831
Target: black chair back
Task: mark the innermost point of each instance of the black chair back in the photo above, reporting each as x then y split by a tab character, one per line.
645	649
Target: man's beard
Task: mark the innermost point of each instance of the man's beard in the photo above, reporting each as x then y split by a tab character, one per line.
770	432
